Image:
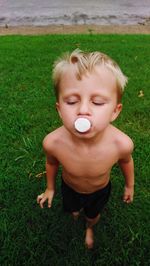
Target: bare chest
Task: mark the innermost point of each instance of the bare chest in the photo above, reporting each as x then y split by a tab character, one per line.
87	162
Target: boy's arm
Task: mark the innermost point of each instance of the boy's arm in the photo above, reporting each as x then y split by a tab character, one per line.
52	166
127	166
51	172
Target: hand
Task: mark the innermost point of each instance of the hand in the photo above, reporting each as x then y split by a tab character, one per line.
128	194
47	195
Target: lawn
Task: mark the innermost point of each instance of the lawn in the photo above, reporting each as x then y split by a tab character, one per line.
31	236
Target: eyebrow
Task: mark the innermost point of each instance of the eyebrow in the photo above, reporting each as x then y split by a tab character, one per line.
75	93
99	96
71	94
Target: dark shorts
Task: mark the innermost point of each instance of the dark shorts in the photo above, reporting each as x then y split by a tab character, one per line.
92	203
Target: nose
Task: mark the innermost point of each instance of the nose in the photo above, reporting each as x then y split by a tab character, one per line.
84	109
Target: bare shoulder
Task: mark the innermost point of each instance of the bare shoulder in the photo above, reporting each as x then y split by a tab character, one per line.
51	140
124	142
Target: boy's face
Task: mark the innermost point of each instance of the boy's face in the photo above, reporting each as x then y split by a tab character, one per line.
93	97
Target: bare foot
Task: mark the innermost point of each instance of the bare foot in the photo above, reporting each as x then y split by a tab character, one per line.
89	238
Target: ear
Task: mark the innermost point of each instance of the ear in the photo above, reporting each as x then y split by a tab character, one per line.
58	108
116	112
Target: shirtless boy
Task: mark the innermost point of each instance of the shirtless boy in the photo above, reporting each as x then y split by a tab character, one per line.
87	86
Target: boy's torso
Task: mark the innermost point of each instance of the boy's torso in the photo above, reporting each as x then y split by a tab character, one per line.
86	168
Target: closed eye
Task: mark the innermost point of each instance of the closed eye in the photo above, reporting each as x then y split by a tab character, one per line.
98	103
71	103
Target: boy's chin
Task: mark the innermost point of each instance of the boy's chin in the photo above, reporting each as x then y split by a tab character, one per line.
85	135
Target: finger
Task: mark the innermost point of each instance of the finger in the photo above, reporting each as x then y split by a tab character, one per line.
126	198
49	203
42	202
130	200
39	198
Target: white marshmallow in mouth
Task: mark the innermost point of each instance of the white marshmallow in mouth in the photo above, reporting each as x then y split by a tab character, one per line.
82	124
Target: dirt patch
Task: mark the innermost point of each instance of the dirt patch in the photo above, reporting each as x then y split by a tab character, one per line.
75	29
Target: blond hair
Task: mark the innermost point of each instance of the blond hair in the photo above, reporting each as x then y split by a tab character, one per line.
86	62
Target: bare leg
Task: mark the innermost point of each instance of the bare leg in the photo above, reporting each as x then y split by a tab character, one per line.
75	215
89	237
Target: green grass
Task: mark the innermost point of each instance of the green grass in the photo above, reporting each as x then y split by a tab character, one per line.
31	236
